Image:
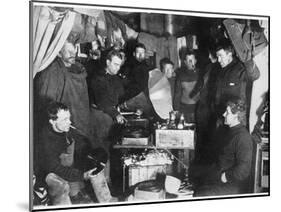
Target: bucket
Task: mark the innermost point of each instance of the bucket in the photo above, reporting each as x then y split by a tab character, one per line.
172	184
100	187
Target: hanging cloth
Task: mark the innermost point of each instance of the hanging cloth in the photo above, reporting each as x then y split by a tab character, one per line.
114	24
50	30
163	47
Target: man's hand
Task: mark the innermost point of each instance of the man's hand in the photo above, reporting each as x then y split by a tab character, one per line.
223	178
88	174
123	106
120	119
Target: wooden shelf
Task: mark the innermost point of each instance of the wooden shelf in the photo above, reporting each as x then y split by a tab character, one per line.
261	158
149	146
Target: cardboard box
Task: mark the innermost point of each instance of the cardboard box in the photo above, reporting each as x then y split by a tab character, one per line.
174	138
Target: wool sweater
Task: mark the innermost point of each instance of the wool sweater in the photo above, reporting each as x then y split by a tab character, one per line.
236	154
185	82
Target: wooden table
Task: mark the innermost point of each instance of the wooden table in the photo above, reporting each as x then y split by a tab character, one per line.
148	146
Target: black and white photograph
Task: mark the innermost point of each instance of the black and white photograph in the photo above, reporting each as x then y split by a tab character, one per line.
137	105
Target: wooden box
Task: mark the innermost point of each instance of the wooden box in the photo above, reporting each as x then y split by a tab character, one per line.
174	138
138	174
135	141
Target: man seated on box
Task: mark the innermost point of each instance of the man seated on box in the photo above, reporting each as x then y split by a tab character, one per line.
230	174
65	158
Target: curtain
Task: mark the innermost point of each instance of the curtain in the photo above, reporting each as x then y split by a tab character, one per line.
50	30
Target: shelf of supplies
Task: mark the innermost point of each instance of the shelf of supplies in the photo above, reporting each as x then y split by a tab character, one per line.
262	166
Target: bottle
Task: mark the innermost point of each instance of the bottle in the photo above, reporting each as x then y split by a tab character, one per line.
181	122
172	121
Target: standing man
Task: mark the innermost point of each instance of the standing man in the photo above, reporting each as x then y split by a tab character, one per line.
186	80
138	72
167	67
231	78
107	87
230	174
93	64
64	80
108	90
206	85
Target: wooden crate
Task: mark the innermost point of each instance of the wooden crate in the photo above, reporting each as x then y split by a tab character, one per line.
135	141
174	138
138	174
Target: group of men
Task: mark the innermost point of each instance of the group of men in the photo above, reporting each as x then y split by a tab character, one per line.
215	98
64	87
92	103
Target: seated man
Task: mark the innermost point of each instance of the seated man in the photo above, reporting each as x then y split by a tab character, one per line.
65	158
107	87
107	90
230	175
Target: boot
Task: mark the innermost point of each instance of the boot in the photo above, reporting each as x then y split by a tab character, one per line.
100	187
58	189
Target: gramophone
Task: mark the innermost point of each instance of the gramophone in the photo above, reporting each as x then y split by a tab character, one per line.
136	130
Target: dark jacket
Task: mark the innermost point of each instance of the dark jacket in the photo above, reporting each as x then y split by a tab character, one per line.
210	86
231	81
234	158
107	92
138	76
206	85
49	154
67	85
92	67
236	155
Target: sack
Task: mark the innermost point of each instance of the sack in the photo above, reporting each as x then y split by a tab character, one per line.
252	70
